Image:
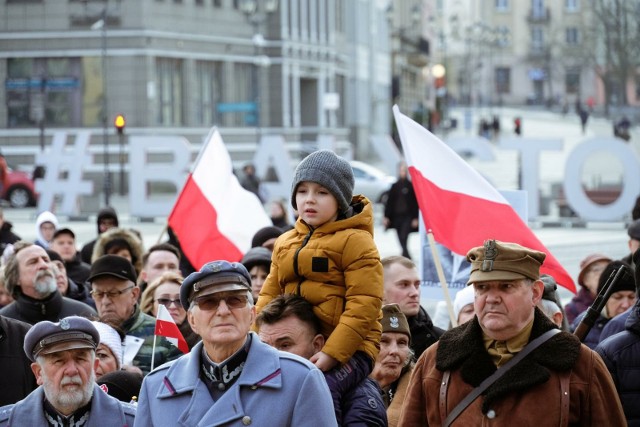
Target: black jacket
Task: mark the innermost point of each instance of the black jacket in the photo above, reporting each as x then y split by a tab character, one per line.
15	368
77	270
401	203
7	236
53	308
621	353
423	333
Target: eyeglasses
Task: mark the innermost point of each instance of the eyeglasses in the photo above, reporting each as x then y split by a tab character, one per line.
111	294
212	302
167	302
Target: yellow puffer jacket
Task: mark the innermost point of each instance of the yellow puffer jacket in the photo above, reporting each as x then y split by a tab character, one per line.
335	267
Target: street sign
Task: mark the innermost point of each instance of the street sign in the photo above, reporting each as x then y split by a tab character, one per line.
50	83
236	107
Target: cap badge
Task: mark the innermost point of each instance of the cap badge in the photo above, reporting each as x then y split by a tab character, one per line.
490	254
394	322
64	324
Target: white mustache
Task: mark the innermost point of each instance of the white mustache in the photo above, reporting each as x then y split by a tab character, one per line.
75	380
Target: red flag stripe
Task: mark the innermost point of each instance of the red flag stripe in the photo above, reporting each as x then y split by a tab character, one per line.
170	330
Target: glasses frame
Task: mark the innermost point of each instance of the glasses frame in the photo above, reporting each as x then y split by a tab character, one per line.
168	302
197	302
111	294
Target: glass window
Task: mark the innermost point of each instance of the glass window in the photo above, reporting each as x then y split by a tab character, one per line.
242	92
503	80
209	75
170	91
571	36
571	5
537	37
572	80
502	5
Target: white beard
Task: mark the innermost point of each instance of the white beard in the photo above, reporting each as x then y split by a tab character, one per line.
68	399
45	284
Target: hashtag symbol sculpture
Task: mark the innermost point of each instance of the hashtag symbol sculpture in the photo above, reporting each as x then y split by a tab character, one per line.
63	173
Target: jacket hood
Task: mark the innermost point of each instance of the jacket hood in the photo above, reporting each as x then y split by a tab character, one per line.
107	212
129	237
45	216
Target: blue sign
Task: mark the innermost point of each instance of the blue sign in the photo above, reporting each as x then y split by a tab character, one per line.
236	107
52	83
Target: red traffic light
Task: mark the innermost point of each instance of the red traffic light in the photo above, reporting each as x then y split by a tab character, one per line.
120	123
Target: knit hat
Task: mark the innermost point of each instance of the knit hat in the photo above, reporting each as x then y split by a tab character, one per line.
586	263
257	256
123	385
463	298
394	320
110	338
334	173
625	283
264	234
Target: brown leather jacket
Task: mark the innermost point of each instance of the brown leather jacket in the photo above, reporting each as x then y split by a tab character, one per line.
528	395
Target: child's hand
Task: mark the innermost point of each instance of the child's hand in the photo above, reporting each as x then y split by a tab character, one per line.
323	361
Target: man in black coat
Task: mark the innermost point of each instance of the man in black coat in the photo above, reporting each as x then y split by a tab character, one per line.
30	280
401	209
15	367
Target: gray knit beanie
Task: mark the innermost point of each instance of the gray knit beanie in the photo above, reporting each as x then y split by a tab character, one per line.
334	173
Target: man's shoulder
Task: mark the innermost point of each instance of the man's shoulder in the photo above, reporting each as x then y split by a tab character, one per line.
5	413
71	307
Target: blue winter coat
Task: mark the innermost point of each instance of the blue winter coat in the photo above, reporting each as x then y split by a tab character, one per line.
593	337
621	354
274	389
106	411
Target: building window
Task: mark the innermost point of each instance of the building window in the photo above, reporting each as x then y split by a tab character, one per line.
537	38
572	81
572	36
170	91
242	95
502	5
47	89
571	5
217	3
637	87
209	75
503	80
537	8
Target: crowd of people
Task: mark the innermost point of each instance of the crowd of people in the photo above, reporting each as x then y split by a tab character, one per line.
310	328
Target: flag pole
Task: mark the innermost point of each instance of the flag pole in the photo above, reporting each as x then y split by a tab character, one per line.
443	281
153	352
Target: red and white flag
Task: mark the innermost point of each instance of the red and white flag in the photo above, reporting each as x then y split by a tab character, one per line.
166	327
458	205
214	217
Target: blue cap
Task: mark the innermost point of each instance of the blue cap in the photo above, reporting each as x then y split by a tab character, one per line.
69	333
215	276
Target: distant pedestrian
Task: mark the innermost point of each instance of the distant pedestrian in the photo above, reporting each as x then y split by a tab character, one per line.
401	209
107	219
250	181
7	237
584	117
517	126
46	226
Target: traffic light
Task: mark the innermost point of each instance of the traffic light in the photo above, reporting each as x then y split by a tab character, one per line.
120	123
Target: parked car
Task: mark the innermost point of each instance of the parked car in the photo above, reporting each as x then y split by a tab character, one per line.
18	189
371	181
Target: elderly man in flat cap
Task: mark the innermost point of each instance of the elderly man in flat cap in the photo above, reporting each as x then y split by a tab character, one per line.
64	360
231	377
113	288
560	382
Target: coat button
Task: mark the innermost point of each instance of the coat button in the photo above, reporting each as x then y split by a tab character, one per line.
491	414
246	420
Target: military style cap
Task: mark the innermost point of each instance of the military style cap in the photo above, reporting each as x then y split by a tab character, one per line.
497	260
394	320
215	276
69	333
113	265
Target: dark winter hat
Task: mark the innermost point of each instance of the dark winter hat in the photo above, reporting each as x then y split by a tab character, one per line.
636	261
264	234
257	256
123	385
497	260
53	255
334	173
67	231
69	333
113	265
550	288
215	276
634	230
625	283
394	320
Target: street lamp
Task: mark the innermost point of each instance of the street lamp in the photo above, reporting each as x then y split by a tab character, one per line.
101	25
257	12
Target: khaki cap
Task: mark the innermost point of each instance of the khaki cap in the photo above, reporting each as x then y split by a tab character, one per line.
497	260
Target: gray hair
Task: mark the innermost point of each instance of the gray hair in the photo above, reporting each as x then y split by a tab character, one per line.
549	308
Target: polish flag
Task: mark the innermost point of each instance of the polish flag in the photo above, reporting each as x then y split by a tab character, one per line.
458	205
166	327
215	218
